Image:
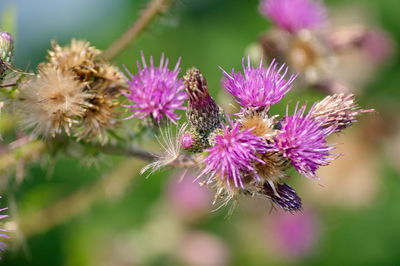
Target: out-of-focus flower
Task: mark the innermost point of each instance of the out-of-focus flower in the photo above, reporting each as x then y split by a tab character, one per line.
294	15
53	101
187	198
303	140
354	180
378	45
203	249
156	91
258	87
292	236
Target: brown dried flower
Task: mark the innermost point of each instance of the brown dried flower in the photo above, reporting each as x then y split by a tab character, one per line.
53	101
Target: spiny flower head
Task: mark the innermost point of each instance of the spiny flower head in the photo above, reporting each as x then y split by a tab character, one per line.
234	154
339	111
303	140
156	91
258	87
294	15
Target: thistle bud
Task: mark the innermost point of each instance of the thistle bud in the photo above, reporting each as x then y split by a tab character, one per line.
6	52
6	47
203	113
337	110
284	196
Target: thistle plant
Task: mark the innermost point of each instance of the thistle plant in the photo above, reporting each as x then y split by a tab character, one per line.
77	99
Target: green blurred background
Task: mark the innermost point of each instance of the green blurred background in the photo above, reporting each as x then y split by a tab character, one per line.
133	221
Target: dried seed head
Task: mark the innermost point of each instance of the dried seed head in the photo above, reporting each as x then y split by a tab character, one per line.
338	110
79	56
103	83
203	113
52	101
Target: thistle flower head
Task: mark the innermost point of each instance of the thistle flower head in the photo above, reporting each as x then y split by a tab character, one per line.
302	140
52	101
294	15
156	91
233	155
258	87
339	111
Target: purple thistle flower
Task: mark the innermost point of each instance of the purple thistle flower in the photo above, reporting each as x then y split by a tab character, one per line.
234	153
258	87
302	140
294	15
3	232
155	91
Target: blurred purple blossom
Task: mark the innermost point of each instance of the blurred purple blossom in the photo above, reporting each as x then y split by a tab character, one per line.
294	15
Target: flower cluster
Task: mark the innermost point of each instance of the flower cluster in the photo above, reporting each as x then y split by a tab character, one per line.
251	154
156	92
74	92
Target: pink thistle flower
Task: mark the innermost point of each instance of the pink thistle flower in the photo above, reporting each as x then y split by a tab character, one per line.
294	15
258	87
302	139
234	154
156	91
3	232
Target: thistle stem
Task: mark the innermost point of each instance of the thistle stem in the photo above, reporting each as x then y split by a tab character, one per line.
154	8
